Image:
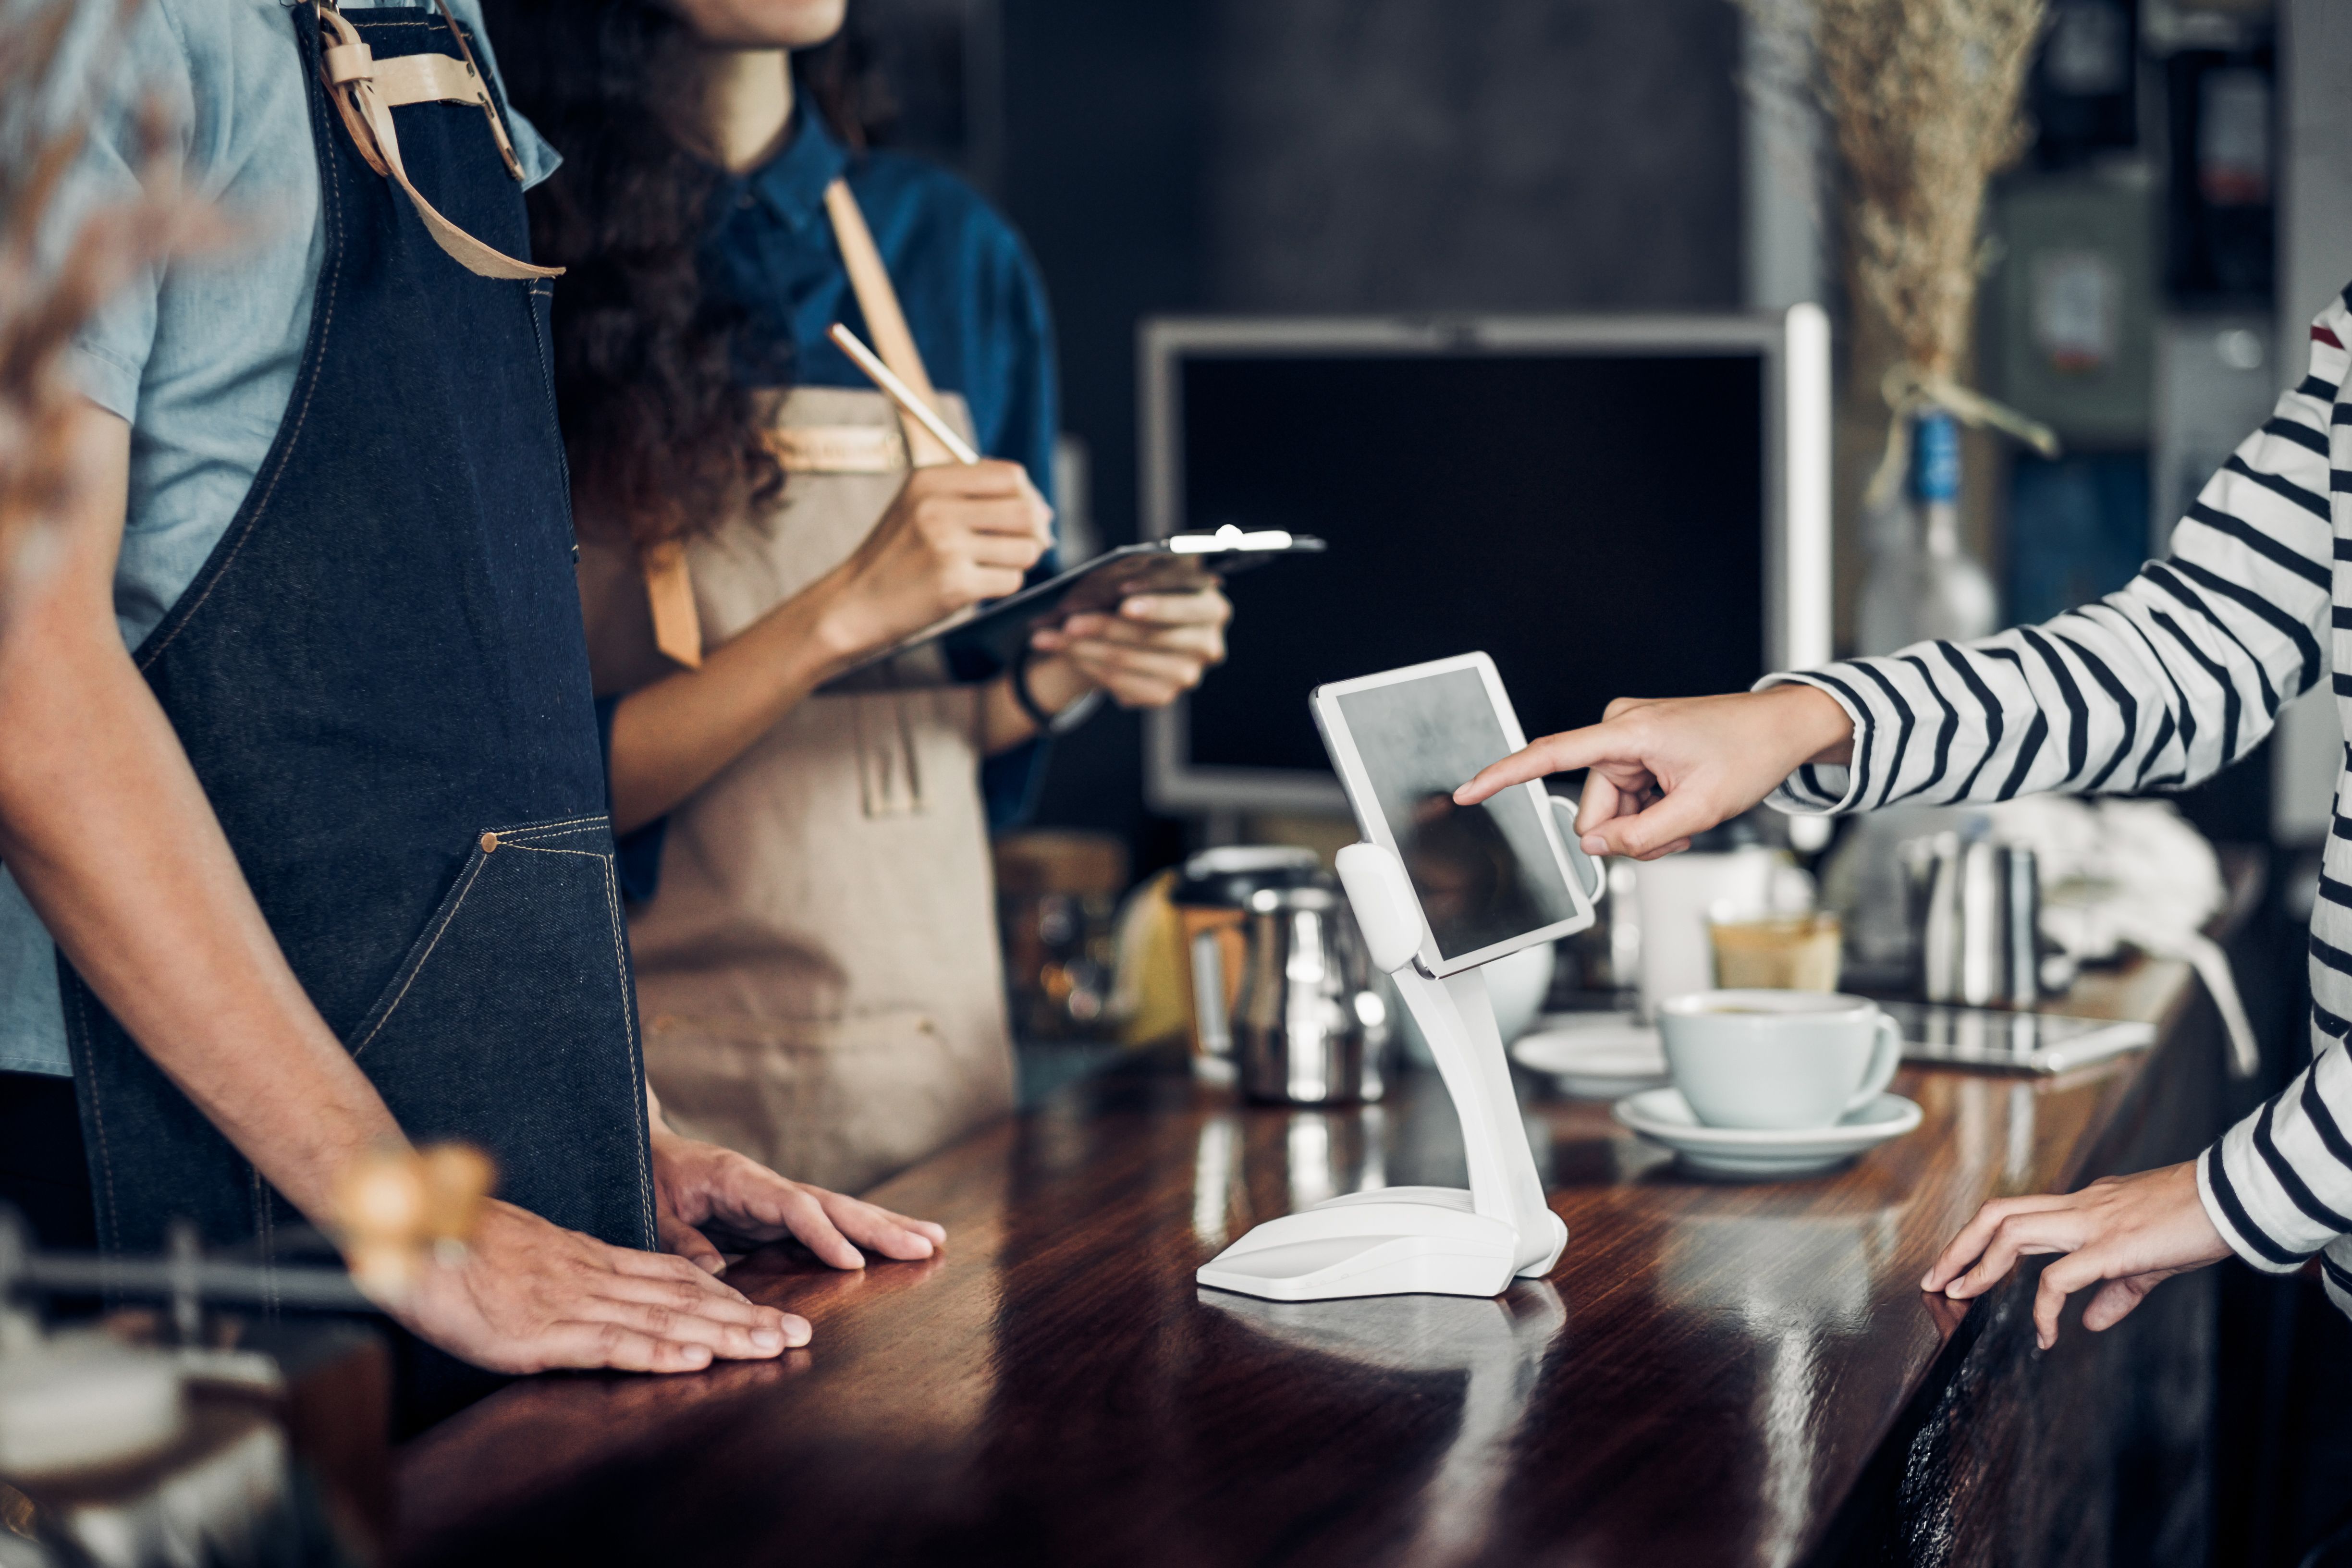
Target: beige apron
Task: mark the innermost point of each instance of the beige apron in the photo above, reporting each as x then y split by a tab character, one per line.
818	971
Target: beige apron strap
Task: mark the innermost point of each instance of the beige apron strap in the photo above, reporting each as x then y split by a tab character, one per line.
366	90
481	93
669	592
870	282
879	301
669	586
837	449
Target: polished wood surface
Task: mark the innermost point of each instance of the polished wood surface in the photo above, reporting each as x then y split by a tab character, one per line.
1714	1374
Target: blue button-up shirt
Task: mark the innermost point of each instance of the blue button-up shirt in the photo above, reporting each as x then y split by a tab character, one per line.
972	300
964	279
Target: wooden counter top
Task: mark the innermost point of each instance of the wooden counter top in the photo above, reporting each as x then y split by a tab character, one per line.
1714	1373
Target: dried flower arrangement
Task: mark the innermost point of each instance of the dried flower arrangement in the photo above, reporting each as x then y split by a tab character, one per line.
43	302
1924	99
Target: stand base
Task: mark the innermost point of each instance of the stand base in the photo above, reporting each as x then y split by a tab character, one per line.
1393	1241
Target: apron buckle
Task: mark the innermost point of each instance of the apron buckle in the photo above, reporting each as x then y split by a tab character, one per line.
366	90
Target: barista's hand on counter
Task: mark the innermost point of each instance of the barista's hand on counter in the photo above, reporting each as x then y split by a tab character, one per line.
531	1296
2132	1232
955	534
1661	770
702	1190
1151	652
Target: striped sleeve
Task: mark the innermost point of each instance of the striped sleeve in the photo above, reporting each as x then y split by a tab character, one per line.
2161	686
2336	1273
2158	686
2278	1185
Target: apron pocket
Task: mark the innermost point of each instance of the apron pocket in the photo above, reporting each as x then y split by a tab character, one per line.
511	1024
839	1102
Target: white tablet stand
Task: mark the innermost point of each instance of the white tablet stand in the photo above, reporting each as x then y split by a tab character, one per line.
1395	1241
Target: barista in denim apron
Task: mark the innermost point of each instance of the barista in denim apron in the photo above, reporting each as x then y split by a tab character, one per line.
381	681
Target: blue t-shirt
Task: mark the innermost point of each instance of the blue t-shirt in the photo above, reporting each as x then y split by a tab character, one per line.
972	300
199	355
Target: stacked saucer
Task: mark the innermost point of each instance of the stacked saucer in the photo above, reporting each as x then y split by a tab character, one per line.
1593	1055
1662	1116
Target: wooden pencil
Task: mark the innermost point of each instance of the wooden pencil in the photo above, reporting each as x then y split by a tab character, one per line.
900	393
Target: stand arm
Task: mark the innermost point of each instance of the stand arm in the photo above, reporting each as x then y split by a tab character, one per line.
1458	1021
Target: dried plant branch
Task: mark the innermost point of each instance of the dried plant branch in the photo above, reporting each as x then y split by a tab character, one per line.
1924	99
43	303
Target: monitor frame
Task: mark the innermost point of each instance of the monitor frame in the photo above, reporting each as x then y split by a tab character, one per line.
1794	346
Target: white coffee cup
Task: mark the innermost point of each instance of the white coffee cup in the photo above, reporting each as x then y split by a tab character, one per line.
1777	1059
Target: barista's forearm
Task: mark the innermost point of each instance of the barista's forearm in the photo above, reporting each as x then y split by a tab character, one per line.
104	825
673	737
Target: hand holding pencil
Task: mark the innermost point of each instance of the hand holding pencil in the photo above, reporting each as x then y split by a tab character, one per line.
956	535
1152	651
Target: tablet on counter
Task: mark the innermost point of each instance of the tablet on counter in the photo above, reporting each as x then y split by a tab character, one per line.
1945	1036
982	644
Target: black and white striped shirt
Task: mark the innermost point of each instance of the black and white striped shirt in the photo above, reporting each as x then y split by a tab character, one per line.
2161	686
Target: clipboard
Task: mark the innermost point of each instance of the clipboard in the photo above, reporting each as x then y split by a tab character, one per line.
984	643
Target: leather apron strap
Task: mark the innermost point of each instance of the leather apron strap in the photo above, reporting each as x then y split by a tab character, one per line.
670	585
879	301
367	90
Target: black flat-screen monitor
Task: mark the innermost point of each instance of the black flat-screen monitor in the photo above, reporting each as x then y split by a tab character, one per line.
1602	506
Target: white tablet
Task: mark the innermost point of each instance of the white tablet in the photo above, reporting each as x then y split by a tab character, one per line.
1492	877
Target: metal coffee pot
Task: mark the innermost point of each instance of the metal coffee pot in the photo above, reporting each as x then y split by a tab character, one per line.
1978	909
1210	899
1308	1028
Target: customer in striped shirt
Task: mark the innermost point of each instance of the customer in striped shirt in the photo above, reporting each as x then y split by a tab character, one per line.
2155	686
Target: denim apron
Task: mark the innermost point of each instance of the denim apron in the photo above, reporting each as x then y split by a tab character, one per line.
381	679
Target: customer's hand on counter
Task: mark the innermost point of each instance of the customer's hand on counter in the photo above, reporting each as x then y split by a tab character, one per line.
530	1296
2132	1232
1662	769
1155	649
702	1190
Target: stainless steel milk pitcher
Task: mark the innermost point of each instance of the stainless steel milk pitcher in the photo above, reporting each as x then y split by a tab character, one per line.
1308	1028
1979	911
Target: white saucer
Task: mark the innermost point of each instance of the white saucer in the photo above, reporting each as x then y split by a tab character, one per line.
1593	1055
1662	1116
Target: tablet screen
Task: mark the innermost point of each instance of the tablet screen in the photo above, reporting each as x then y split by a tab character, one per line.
1484	873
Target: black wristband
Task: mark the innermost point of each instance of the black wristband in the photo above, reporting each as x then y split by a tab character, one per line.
1047	722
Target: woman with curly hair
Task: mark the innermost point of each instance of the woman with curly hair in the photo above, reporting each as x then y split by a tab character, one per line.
813	919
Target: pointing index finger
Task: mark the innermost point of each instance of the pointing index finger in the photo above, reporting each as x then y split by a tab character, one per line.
1558	753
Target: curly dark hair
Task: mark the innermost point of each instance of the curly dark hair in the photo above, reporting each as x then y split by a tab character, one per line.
660	426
